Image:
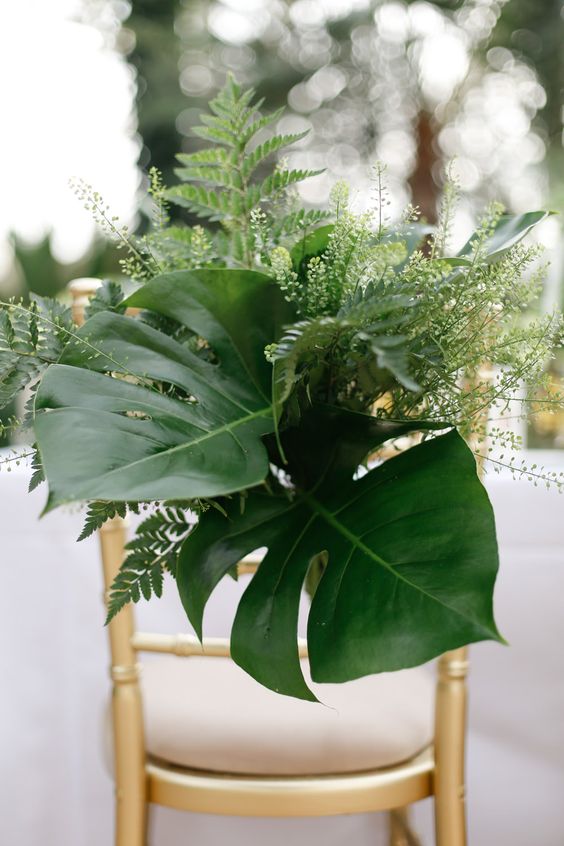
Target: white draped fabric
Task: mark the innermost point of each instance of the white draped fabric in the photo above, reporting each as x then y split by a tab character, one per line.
54	787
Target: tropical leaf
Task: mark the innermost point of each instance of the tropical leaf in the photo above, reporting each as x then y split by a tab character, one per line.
310	245
124	439
509	230
411	563
412	234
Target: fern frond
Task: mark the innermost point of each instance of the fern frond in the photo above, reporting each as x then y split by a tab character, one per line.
220	136
299	221
214	205
217	182
258	125
154	548
215	157
108	297
31	337
304	343
38	474
268	148
276	183
220	177
97	513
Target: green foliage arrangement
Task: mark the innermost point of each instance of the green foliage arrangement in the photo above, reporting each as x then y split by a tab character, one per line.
268	357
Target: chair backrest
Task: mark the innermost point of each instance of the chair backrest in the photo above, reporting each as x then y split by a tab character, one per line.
126	642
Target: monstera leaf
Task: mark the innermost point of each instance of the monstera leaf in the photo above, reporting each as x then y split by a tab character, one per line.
509	230
411	559
124	438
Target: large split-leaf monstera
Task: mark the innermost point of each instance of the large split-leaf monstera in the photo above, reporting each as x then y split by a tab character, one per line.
123	439
410	546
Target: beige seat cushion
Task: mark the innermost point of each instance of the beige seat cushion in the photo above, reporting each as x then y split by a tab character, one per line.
206	713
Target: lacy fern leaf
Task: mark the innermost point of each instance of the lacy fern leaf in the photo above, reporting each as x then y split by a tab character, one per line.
38	473
31	338
107	298
154	548
268	148
97	513
217	182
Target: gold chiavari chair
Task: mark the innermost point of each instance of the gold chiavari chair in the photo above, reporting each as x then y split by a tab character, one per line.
146	770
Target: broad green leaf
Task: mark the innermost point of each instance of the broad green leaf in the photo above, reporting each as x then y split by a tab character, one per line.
238	312
335	441
312	244
456	261
420	565
330	438
510	229
412	559
123	438
413	236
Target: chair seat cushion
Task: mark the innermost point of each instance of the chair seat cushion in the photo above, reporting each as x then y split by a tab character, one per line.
207	714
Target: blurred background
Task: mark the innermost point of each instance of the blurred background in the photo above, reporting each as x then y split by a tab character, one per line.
104	89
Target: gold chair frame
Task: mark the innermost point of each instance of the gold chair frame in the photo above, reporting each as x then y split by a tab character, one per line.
438	772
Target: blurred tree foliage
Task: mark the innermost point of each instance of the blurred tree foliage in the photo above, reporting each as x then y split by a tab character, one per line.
156	55
38	271
534	31
355	82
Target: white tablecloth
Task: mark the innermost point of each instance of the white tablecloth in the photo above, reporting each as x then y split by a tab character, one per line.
55	791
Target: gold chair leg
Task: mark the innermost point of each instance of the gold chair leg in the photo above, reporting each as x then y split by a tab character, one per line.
131	780
450	810
127	710
400	831
131	821
450	820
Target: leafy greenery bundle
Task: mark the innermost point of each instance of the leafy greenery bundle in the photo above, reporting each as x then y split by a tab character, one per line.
245	381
